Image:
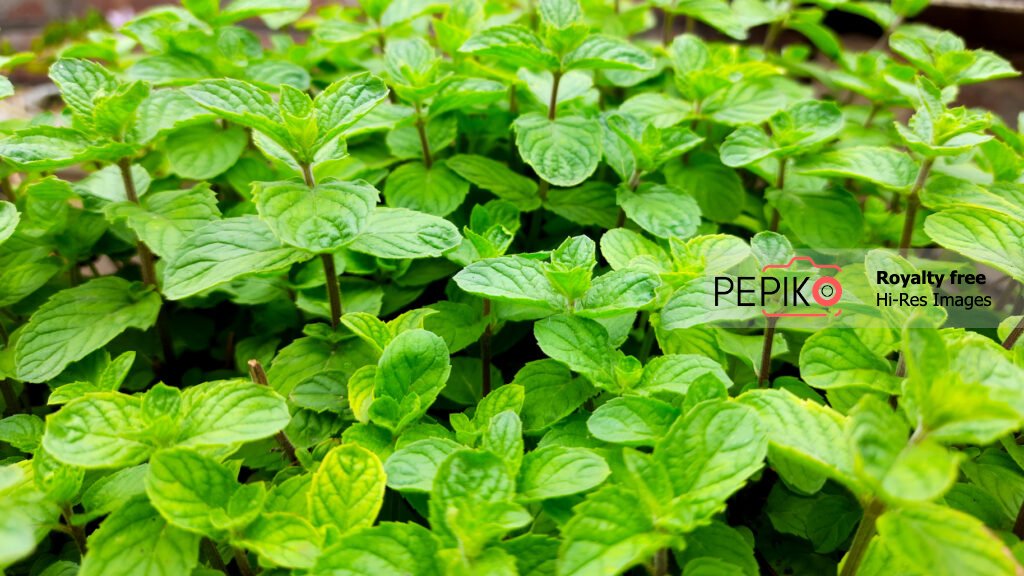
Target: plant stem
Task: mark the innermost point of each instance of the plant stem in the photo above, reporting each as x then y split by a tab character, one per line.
871	115
659	563
77	534
634	182
7	189
865	532
913	202
766	351
259	376
485	350
333	291
148	267
10	398
421	128
330	272
780	183
553	101
242	561
513	110
668	26
649	336
145	256
1014	335
213	555
771	36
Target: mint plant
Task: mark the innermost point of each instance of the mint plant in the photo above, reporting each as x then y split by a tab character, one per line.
433	289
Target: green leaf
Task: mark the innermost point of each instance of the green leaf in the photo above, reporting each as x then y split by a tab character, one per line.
941	541
885	167
746	102
580	343
497	178
387	548
551	393
345	102
632	420
97	431
709	453
241	103
512	44
22	431
565	151
17	539
804	433
415	361
435	190
823	219
347	489
591	204
836	357
51	148
204	151
557	471
402	233
230	412
6	88
510	279
560	13
607	53
693	304
79	320
413	467
677	372
136	539
321	219
164	219
602	539
283	539
717	188
983	235
9	218
81	82
662	210
471	501
618	291
746	145
896	470
165	111
108	184
222	251
187	488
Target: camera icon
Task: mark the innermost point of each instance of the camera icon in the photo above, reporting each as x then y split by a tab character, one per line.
826	290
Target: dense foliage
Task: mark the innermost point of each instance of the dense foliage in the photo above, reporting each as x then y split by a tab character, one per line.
414	287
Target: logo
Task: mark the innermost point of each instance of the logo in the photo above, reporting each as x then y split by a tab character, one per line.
785	290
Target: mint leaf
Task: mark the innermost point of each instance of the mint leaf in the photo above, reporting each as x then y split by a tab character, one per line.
401	233
229	412
136	539
222	251
556	471
565	151
97	431
321	219
632	420
435	190
709	453
204	151
77	321
347	490
413	467
187	487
